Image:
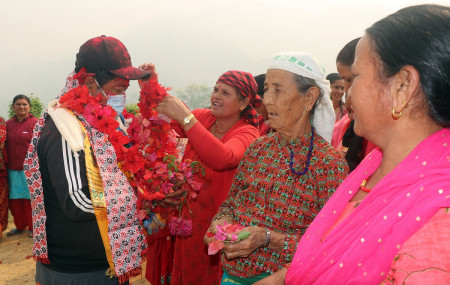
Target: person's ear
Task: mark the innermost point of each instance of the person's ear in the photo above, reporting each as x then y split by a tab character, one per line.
244	103
91	84
311	96
404	86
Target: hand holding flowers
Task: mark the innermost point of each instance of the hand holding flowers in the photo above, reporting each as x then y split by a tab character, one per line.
226	233
255	240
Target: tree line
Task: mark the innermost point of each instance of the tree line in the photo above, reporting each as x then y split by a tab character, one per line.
193	95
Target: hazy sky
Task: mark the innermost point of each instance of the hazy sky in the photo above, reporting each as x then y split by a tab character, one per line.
189	41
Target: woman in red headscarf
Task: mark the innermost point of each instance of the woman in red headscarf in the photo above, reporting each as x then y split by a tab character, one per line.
218	138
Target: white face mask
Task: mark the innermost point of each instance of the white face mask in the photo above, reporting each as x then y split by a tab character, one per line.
117	102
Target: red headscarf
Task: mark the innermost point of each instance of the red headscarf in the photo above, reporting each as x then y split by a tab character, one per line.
246	85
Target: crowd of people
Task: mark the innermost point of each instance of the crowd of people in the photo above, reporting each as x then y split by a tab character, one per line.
324	179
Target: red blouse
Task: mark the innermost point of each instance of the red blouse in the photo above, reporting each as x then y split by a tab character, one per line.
18	138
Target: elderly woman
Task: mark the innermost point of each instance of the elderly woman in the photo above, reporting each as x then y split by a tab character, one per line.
218	138
388	222
3	179
285	177
19	130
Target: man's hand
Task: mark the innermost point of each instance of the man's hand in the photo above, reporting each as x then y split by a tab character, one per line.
150	67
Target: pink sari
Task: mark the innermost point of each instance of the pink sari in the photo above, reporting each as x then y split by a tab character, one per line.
361	249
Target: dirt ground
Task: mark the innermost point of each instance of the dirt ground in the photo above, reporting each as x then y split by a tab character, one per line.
17	267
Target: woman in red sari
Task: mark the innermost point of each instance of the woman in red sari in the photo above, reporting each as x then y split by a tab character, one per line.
218	138
3	179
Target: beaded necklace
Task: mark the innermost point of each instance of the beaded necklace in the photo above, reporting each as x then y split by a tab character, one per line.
217	130
308	158
363	186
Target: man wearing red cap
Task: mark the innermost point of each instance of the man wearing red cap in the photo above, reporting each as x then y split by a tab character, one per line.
84	209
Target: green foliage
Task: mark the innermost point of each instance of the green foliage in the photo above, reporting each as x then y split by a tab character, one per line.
36	107
195	95
132	108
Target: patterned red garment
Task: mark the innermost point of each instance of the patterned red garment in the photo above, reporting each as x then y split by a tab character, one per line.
3	179
266	193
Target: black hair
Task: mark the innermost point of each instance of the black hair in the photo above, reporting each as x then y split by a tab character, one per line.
102	76
260	82
304	83
347	54
418	36
332	77
21	96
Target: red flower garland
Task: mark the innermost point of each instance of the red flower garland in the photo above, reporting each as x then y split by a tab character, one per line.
151	164
164	173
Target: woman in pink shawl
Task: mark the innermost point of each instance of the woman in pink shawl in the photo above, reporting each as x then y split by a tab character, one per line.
389	221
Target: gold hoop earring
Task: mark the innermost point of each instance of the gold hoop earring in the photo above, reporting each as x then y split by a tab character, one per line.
395	115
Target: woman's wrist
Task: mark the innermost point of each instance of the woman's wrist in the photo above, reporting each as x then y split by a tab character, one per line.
184	117
189	123
268	236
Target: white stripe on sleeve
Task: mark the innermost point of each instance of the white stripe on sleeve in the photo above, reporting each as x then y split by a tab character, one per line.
74	181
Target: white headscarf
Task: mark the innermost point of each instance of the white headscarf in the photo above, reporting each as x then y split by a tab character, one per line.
308	66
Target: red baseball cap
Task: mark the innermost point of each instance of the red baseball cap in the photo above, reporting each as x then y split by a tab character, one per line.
108	53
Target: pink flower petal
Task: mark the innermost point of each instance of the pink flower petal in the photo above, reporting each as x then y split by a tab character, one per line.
215	246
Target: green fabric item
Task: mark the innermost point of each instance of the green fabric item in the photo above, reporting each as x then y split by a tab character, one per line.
229	279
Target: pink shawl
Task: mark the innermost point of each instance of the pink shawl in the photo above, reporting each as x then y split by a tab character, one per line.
339	130
361	249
